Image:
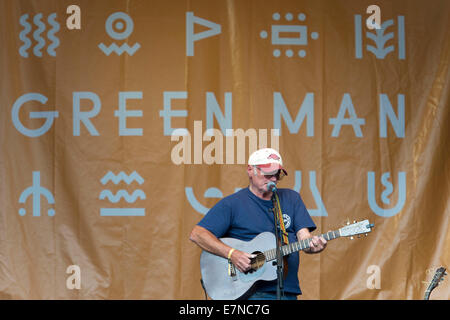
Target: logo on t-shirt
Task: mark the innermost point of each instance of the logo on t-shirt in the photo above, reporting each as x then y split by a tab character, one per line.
286	220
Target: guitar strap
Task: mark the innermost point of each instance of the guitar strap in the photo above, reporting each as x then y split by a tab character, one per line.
281	221
231	267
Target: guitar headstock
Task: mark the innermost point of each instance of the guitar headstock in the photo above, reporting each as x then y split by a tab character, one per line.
356	228
438	277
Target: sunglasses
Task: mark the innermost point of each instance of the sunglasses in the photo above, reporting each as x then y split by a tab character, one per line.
278	175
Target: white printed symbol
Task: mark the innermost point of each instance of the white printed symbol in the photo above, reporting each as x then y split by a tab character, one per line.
286	220
124	25
191	37
374	21
374	280
74	280
74	21
115	198
380	38
35	191
299	35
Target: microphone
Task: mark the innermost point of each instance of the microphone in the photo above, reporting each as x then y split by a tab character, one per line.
271	186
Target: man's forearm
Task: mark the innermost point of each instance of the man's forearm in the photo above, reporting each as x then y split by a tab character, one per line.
207	241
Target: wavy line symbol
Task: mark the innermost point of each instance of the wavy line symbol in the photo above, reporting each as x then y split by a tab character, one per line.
122	176
388	187
37	35
23	35
122	194
114	198
51	35
119	50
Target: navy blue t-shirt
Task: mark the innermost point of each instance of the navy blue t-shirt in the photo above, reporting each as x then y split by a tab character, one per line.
243	216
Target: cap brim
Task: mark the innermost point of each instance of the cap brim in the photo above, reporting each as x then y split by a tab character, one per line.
271	168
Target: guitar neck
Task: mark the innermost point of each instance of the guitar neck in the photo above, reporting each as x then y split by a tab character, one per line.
298	246
438	276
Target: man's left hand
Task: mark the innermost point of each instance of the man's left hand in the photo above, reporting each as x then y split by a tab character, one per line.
317	244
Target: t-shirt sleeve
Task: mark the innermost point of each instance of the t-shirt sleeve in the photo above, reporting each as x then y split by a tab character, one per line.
302	218
218	219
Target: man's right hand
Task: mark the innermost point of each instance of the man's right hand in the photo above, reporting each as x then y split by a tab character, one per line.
241	260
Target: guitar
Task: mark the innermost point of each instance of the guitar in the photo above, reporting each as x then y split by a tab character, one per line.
438	277
221	285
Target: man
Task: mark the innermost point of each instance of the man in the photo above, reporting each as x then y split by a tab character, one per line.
247	213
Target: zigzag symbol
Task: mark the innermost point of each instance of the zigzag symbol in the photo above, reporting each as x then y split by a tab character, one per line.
122	176
122	194
119	50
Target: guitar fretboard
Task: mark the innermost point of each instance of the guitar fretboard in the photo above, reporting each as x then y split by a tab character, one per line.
438	276
298	246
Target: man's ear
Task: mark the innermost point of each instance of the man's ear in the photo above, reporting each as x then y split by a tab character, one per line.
249	170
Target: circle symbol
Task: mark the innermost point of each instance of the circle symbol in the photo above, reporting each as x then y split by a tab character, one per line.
22	211
263	34
314	35
125	30
119	25
289	53
301	53
276	53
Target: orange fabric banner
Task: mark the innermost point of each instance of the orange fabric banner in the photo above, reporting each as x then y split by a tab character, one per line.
123	122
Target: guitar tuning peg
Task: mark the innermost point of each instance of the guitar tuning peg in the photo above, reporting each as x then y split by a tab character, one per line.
351	238
366	234
354	221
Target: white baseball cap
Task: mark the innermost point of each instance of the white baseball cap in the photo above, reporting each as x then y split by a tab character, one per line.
268	160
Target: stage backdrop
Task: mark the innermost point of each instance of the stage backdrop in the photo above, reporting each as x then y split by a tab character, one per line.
107	162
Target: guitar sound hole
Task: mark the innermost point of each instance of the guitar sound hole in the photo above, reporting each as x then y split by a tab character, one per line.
257	262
